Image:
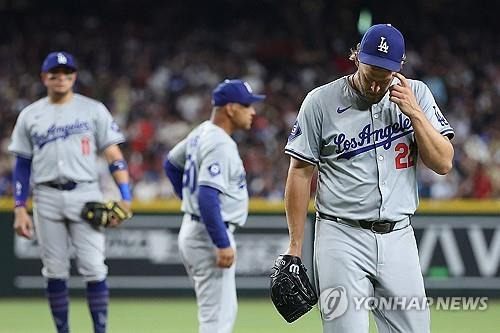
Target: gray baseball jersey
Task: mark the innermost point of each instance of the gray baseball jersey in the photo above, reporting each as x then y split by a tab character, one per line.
62	140
209	156
366	154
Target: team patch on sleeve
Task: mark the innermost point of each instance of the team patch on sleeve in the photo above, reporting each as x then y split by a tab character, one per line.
214	169
442	120
296	131
115	127
242	182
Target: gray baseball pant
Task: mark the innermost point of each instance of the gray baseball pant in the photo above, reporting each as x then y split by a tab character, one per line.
370	265
58	224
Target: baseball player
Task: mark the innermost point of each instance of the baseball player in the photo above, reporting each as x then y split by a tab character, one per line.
208	175
56	141
364	132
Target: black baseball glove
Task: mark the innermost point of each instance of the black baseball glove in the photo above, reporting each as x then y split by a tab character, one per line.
100	214
291	292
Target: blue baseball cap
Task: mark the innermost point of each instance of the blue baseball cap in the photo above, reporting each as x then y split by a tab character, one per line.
56	59
383	46
234	91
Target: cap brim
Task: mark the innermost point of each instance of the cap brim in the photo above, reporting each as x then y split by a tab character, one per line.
384	63
246	101
256	98
59	65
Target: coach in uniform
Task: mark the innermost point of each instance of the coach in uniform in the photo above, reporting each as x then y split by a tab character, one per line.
364	133
207	173
56	141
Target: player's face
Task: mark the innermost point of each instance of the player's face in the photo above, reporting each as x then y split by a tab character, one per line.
374	82
59	81
243	116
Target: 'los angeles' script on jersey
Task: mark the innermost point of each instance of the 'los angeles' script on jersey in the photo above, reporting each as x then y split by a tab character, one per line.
60	132
369	138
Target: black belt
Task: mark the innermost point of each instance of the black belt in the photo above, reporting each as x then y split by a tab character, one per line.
229	225
68	186
378	227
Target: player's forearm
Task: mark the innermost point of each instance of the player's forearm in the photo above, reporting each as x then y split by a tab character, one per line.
297	193
121	176
119	170
21	180
296	202
210	211
435	150
122	180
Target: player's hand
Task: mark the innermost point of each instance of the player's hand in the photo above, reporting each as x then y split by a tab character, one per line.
225	257
114	220
403	96
22	223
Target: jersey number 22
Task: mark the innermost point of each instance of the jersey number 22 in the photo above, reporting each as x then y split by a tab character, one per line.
405	158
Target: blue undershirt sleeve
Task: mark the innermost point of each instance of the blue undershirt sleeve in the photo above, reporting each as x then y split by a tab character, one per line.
174	173
209	203
21	180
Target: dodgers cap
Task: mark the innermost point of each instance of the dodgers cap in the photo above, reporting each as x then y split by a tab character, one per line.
383	46
234	91
56	59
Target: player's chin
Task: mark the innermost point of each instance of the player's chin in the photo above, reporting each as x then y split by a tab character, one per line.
374	98
248	125
61	91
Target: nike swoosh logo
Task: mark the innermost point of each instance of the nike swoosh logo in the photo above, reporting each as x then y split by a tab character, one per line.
339	110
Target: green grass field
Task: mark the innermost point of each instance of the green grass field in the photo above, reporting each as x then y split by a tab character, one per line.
171	315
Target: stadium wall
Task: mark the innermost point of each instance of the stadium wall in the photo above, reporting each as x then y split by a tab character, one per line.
459	247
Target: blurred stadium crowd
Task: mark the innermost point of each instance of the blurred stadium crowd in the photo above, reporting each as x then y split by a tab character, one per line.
155	71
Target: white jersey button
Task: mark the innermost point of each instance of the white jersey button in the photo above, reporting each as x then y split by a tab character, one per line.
380	157
60	163
375	116
383	183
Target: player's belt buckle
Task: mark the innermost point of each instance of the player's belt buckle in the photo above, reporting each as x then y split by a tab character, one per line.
381	227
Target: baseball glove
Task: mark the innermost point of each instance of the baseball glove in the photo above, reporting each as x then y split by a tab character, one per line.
291	291
100	214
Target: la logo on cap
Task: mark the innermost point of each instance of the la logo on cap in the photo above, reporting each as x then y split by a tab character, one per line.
383	46
248	87
61	59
